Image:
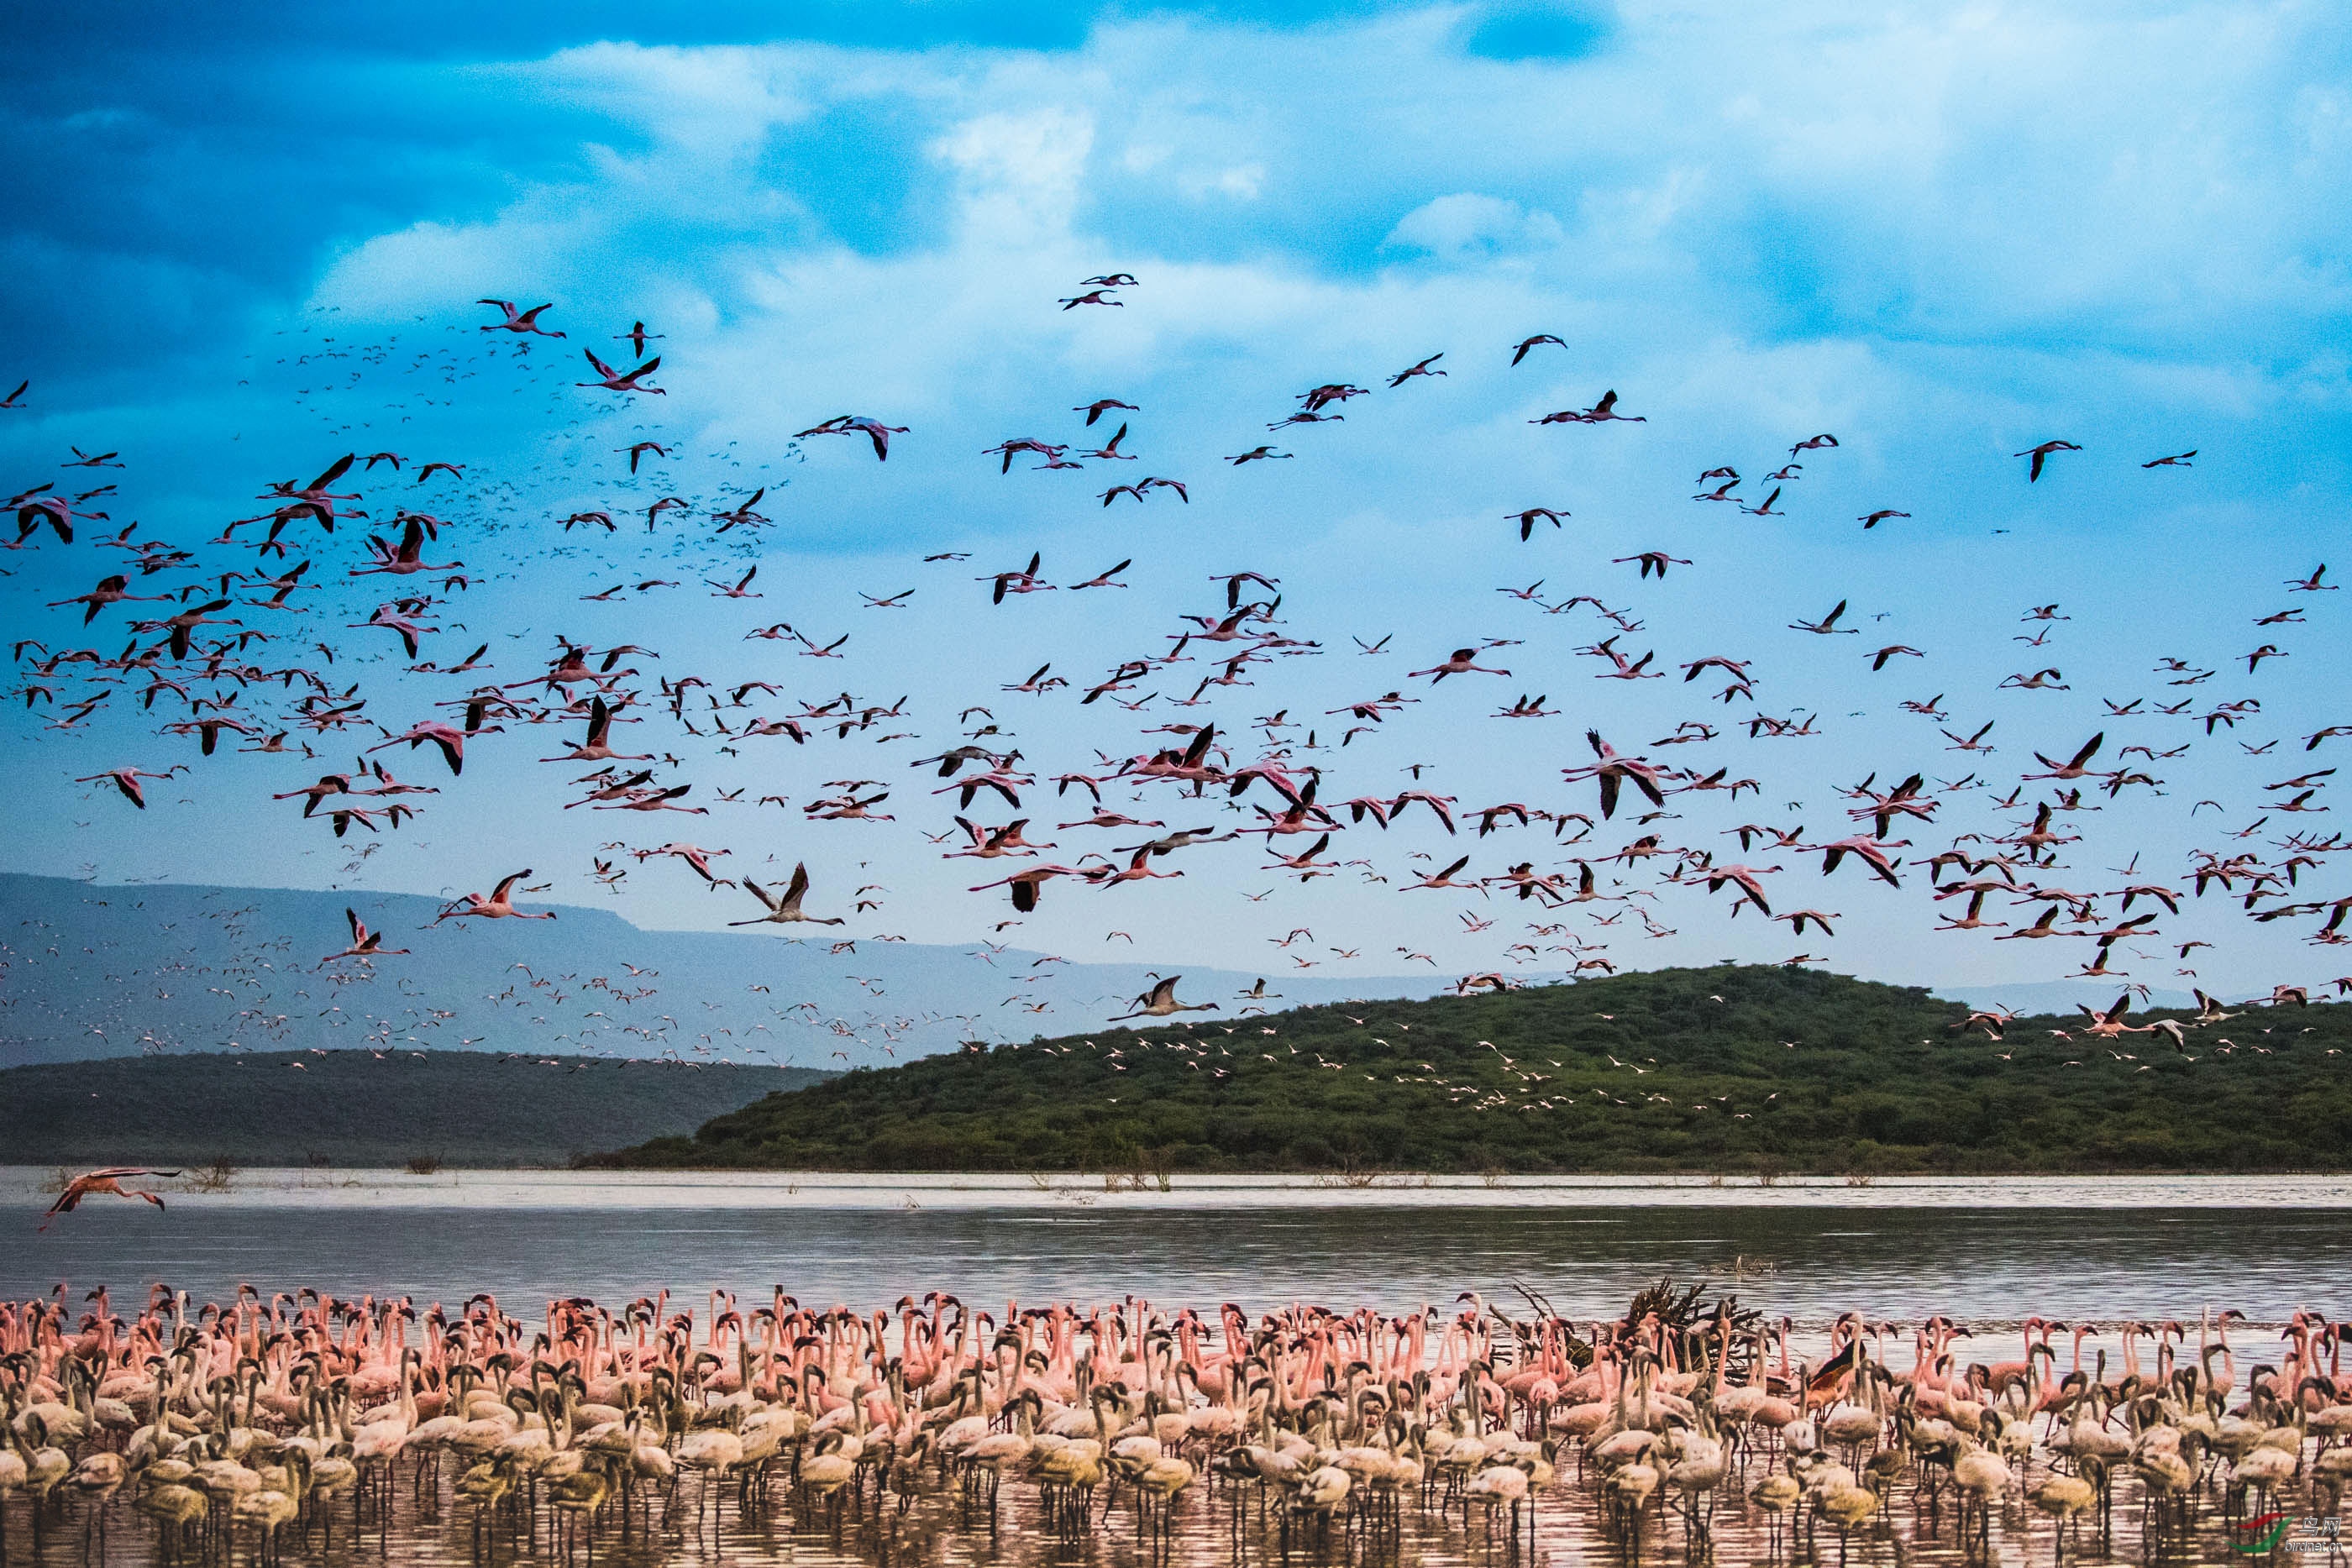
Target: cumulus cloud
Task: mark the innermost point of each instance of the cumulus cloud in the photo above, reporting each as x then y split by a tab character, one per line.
1468	225
1019	173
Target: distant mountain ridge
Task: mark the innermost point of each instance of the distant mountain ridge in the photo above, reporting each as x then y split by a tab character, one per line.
92	970
359	1107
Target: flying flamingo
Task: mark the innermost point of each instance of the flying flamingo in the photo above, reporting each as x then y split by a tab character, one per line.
406	557
1445	879
1460	662
126	779
1102	579
115	589
872	429
785	910
1421	369
598	747
1138	869
612	380
2041	455
499	905
365	944
519	322
1600	413
2075	767
109	1180
1026	884
450	741
1612	771
1160	1002
1021	579
1827	625
1109	451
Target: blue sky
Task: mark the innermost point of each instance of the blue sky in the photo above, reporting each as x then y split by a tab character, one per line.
1942	232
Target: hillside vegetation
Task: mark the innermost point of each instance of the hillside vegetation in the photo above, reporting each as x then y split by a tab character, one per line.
356	1108
1724	1069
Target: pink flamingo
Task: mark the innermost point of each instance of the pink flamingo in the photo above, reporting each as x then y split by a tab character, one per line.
519	322
499	905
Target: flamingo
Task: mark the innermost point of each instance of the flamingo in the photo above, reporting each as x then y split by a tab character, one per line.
785	910
1160	1002
597	746
2041	455
873	430
519	322
365	943
406	557
1461	662
126	780
109	1180
612	380
499	905
113	590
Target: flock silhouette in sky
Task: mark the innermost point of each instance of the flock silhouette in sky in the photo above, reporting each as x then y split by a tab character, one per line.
277	637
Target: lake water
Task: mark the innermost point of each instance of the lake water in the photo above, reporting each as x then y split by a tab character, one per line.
1978	1249
1987	1252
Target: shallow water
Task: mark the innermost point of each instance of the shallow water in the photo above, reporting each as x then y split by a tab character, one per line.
1988	1253
1212	1526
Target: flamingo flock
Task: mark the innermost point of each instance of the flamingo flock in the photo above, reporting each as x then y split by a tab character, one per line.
238	644
259	1424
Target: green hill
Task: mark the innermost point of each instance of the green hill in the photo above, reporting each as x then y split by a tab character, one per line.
357	1108
1726	1069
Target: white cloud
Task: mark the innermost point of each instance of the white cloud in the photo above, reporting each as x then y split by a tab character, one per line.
1467	225
1019	175
1242	182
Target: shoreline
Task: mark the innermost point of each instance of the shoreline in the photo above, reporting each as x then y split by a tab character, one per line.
23	1186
